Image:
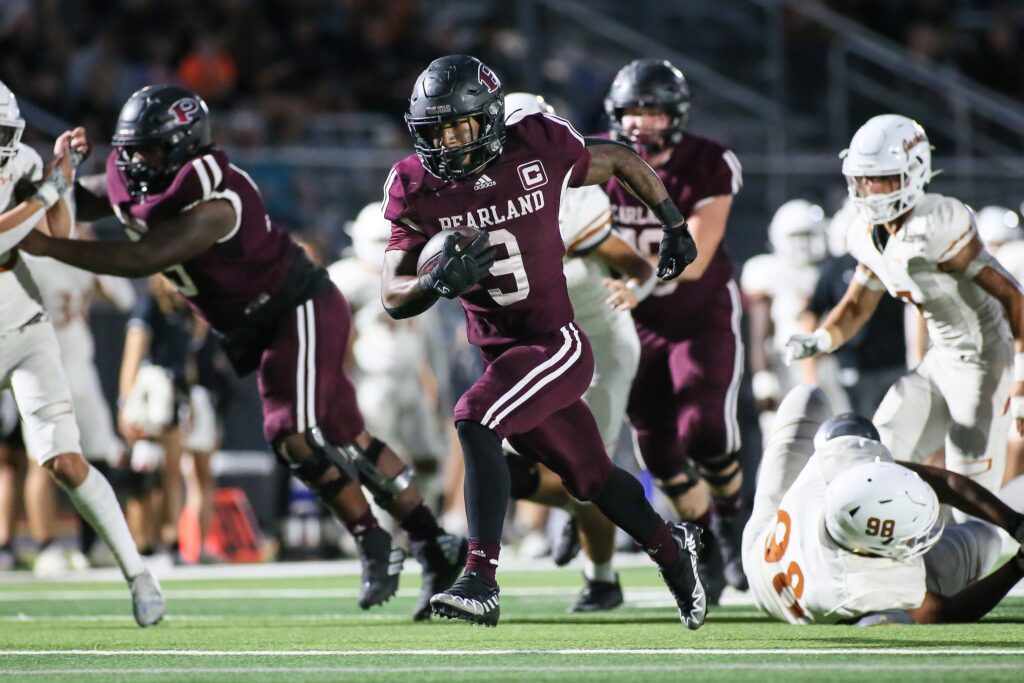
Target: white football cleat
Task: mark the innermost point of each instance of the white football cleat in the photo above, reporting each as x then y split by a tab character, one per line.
147	599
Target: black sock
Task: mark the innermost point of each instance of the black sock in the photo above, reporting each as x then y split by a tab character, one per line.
623	502
487	481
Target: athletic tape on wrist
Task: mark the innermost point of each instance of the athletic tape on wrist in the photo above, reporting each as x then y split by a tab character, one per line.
641	290
47	194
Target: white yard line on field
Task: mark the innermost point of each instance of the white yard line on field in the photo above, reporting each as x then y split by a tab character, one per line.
546	668
571	652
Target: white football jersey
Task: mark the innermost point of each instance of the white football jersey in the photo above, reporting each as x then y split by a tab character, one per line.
790	287
962	317
19	299
1011	256
803	577
382	345
585	221
67	294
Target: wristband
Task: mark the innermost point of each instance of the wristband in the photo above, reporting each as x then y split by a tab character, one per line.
641	290
668	214
823	339
1018	367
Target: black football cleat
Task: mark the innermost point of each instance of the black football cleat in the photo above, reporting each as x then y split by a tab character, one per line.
729	532
712	568
382	565
442	559
683	577
567	547
598	596
472	599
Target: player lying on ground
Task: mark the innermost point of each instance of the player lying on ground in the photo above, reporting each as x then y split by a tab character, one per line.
472	171
840	533
30	358
201	221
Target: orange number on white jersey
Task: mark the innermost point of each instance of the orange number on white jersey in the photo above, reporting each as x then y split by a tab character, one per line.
789	584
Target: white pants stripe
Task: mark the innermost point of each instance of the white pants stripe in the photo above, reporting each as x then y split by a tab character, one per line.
732	425
508	395
305	368
577	347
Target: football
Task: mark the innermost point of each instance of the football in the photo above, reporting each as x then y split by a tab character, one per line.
432	249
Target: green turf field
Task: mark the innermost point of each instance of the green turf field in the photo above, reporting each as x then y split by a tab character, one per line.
309	628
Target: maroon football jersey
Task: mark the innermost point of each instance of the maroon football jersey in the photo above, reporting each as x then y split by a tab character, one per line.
698	170
251	259
516	200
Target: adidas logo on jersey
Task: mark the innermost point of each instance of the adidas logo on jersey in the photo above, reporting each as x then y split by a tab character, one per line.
483	182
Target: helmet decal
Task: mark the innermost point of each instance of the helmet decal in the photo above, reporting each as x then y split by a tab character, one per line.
184	110
487	78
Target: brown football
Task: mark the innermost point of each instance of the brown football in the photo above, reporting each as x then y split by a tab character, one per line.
432	249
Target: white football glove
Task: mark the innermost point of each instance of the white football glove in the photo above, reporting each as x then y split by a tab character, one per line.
808	345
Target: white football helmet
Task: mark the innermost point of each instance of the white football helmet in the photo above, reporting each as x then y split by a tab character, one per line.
11	125
998	225
884	509
797	232
370	233
888	145
520	104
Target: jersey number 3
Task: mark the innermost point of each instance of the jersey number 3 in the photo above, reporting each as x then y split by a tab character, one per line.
790	583
512	265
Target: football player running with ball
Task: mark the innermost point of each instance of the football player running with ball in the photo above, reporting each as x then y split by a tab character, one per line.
924	248
842	534
201	221
471	171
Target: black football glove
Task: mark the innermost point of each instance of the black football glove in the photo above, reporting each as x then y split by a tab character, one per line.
677	250
458	270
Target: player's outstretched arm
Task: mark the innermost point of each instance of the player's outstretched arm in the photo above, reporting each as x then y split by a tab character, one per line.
845	320
968	496
973	602
401	291
979	265
169	242
607	159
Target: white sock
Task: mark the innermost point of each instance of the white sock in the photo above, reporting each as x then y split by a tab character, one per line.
96	502
599	572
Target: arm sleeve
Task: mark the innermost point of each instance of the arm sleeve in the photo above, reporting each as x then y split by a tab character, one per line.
119	290
951	229
755	278
559	139
406	234
724	177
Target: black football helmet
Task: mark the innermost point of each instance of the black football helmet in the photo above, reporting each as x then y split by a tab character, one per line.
170	117
653	83
452	88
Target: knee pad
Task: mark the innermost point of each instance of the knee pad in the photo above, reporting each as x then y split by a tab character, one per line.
523	476
361	464
313	467
714	470
676	490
